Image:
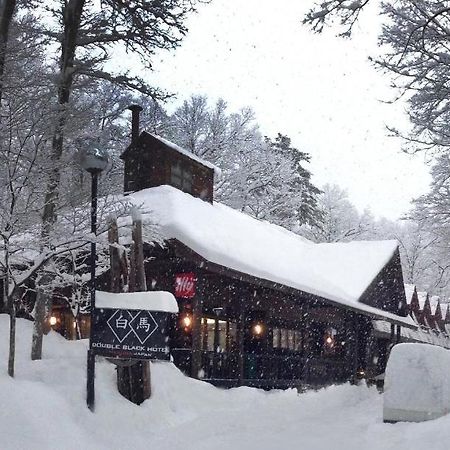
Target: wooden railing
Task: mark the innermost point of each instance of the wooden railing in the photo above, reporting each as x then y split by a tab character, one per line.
314	371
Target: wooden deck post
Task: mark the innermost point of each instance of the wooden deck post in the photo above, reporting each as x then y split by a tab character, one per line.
240	333
197	310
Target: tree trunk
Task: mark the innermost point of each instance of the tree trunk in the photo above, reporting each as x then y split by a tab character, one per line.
42	309
72	17
12	338
7	8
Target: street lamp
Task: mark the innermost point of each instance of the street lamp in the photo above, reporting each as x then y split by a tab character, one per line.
94	160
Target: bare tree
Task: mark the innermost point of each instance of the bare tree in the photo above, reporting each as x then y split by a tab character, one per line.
87	34
414	39
346	11
340	221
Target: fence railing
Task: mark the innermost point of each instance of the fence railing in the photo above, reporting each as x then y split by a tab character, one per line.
266	367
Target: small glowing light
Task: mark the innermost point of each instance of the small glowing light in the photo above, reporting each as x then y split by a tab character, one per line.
53	321
329	340
187	321
257	329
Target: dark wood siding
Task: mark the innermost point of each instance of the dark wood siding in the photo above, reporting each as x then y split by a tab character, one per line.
387	291
149	163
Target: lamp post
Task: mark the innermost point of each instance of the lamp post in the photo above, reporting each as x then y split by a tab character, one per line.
94	160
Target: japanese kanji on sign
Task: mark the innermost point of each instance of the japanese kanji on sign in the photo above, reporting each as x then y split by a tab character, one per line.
130	333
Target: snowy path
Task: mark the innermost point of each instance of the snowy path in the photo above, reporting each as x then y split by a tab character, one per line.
43	408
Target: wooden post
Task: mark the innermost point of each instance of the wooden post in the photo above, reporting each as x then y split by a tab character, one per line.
356	345
197	310
114	257
240	336
134	382
399	335
392	337
216	346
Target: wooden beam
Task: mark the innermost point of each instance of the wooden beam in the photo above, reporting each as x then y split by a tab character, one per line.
197	311
240	336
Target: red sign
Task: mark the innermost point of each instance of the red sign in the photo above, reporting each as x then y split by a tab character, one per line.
185	285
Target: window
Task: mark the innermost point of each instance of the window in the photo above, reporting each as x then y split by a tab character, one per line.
298	341
181	177
284	338
210	330
276	338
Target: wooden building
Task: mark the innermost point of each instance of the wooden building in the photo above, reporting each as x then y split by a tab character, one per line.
259	305
431	316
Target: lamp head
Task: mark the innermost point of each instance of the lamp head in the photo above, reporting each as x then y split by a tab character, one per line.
93	157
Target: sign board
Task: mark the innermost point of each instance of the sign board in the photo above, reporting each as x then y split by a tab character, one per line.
185	285
130	334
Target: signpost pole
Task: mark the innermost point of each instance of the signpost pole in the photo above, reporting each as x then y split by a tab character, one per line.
94	159
90	387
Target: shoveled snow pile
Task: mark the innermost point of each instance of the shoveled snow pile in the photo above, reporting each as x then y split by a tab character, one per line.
417	384
44	408
340	272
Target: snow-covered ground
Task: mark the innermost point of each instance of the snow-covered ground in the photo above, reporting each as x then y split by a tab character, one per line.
44	408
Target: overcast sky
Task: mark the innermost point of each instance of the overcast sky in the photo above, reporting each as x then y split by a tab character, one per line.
319	90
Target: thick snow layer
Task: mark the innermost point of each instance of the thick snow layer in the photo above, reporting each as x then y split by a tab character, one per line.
417	386
340	272
151	300
44	408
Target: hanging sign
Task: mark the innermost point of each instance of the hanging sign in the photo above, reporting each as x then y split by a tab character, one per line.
185	285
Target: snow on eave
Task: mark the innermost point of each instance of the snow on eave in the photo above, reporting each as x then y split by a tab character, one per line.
339	272
149	300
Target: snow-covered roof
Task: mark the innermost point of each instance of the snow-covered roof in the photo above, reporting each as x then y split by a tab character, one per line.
419	335
340	272
422	296
409	292
185	152
150	300
434	302
444	308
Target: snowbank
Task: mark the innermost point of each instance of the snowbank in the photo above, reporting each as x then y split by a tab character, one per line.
417	384
44	408
151	301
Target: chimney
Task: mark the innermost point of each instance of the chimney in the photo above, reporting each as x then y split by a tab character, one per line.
135	111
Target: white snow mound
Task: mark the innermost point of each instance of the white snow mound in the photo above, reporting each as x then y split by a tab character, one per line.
417	384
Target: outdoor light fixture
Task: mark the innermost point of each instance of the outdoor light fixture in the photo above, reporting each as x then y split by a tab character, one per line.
53	321
258	329
186	321
329	340
94	159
